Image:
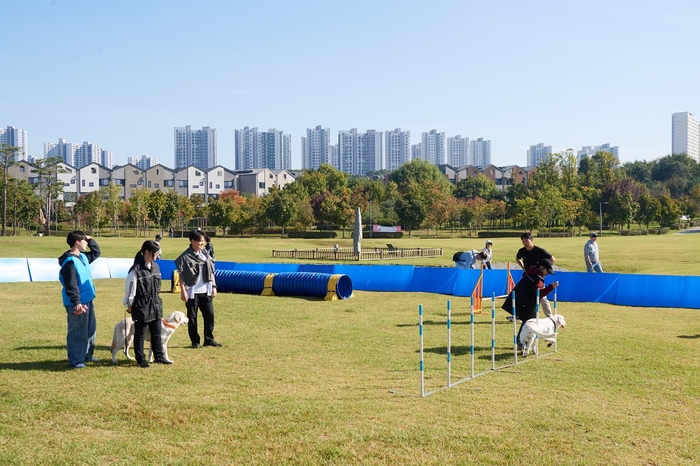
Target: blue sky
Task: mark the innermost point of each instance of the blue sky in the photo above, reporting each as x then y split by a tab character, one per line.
123	73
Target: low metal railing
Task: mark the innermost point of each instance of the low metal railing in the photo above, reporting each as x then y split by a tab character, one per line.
349	254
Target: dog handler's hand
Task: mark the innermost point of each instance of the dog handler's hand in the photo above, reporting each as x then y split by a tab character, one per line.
79	309
555	284
183	293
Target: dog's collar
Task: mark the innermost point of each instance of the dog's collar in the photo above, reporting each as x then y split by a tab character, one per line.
554	322
167	324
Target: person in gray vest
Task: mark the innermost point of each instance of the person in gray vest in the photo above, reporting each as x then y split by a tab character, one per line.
78	292
590	254
144	304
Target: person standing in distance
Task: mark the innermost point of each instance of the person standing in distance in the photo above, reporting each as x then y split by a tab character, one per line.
198	287
590	254
160	249
487	252
78	293
144	304
530	255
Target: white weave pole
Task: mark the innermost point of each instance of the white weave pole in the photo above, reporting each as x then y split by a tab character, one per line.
471	325
515	330
449	342
422	364
537	320
493	331
555	313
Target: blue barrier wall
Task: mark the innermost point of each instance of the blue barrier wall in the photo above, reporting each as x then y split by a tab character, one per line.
610	288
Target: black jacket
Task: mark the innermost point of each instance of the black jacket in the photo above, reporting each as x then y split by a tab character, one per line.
147	305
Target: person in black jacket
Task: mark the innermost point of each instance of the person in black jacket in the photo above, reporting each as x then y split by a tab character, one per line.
78	293
143	302
526	292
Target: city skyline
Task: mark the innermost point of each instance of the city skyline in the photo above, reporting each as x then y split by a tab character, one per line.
617	86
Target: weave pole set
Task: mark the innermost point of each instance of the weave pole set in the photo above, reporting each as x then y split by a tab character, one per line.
472	374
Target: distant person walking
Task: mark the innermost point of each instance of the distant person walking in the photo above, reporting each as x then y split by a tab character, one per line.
487	252
590	254
530	255
78	293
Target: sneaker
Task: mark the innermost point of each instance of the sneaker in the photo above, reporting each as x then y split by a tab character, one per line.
510	319
93	360
162	361
212	343
79	366
195	345
144	365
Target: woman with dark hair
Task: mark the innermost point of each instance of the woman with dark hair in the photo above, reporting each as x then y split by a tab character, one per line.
142	301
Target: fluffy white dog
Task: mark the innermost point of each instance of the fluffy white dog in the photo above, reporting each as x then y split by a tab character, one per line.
545	329
124	334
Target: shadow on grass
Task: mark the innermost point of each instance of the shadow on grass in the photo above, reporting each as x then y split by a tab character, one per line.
444	323
50	365
690	337
464	351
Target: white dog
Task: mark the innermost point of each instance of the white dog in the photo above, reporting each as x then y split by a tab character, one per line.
545	329
124	335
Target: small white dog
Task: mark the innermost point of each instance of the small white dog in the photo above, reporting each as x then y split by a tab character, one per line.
545	329
124	334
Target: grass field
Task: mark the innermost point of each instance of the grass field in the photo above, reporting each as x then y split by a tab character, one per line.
303	381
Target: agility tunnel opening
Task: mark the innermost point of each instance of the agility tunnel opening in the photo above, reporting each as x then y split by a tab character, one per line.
321	285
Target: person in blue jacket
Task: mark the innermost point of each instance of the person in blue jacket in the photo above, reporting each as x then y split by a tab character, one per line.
78	293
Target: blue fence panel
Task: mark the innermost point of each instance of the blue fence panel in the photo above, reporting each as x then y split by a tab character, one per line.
44	270
465	281
649	290
434	280
16	270
690	295
266	267
583	287
167	267
119	268
394	278
495	281
317	268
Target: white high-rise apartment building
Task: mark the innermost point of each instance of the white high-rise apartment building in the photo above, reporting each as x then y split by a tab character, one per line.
88	153
315	148
65	150
348	151
588	151
433	147
333	155
246	141
195	147
144	162
480	152
537	154
685	135
359	153
458	152
106	158
416	151
398	148
274	151
15	137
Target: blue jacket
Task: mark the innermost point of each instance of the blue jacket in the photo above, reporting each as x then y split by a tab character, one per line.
75	276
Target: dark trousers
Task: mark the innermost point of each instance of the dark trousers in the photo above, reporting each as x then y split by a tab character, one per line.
140	336
204	303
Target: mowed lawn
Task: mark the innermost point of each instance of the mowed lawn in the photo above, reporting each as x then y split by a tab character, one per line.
304	381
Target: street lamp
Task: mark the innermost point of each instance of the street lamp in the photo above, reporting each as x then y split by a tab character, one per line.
370	219
600	210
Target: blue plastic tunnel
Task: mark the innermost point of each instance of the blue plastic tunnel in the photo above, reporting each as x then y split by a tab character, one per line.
240	281
310	284
285	283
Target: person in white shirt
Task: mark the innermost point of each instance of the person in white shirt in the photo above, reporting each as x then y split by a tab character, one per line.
590	255
469	259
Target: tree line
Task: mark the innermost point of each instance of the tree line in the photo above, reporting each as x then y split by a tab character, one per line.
561	194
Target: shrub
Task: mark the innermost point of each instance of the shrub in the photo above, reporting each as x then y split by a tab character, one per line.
633	232
380	234
499	234
312	234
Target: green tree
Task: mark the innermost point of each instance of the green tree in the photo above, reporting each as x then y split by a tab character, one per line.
7	159
648	210
411	207
479	186
669	211
157	204
23	204
621	209
92	208
280	207
113	204
50	186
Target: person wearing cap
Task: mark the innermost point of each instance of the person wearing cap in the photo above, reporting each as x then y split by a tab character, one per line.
590	254
159	238
487	252
526	292
469	259
528	256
